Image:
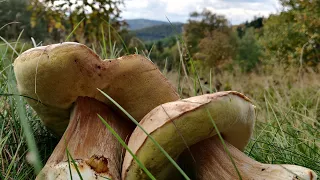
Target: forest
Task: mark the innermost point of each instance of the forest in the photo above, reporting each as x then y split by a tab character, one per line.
274	61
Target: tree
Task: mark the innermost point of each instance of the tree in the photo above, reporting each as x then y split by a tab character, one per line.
15	18
216	48
94	15
294	32
249	51
209	38
201	24
256	23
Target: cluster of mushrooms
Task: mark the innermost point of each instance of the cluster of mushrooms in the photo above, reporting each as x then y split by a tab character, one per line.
62	81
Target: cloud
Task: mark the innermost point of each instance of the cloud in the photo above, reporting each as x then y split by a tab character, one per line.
237	11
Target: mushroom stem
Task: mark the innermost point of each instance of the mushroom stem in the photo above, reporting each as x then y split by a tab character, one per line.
212	162
97	153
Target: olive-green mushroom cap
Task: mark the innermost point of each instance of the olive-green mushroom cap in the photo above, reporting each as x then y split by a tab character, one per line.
54	76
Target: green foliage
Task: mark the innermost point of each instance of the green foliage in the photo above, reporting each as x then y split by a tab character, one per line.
249	51
290	133
294	32
63	16
287	128
16	152
202	24
165	53
256	23
216	48
15	17
209	38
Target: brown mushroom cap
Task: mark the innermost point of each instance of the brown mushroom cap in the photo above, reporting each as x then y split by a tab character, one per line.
177	125
55	76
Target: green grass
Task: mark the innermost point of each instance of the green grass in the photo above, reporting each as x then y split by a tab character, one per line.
286	131
291	133
23	140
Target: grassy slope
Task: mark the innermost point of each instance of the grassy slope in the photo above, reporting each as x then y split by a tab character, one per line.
287	128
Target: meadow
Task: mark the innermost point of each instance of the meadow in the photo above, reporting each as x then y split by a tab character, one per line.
286	97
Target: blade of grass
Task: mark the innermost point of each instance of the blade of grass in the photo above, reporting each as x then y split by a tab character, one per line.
279	125
210	81
11	94
13	49
224	145
110	43
24	123
115	134
13	161
33	42
104	49
179	79
123	43
164	71
183	65
8	66
29	135
69	166
149	136
15	45
74	164
149	52
8	23
74	29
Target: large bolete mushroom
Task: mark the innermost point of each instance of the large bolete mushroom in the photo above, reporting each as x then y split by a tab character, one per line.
180	124
61	81
55	76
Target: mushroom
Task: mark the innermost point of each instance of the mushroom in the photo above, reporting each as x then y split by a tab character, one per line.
183	123
212	162
55	76
62	82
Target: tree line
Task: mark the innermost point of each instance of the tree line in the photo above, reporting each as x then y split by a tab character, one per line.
291	36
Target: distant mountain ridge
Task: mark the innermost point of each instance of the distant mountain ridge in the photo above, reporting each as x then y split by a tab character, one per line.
152	30
135	24
158	32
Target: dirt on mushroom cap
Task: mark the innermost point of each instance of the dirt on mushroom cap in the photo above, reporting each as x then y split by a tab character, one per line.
189	119
54	76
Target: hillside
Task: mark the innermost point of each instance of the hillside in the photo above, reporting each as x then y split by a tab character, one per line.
135	24
159	31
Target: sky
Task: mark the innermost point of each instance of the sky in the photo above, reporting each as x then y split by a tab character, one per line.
236	11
